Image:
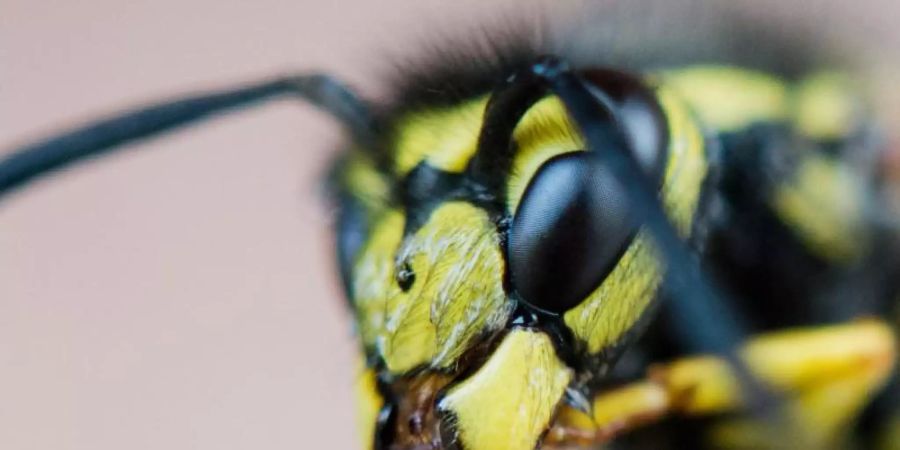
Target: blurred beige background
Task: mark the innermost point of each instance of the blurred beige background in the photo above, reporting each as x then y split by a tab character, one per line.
181	296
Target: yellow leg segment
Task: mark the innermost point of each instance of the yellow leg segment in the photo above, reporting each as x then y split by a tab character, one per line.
825	376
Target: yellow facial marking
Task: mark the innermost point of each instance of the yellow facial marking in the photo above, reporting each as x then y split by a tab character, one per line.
614	307
368	406
365	182
823	203
457	293
373	275
826	107
509	402
544	132
729	99
446	138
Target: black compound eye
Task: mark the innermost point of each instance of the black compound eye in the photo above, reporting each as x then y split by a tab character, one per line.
568	232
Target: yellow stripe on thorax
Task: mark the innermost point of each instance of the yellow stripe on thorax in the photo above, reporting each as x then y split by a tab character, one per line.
823	106
826	106
373	275
822	201
728	98
822	204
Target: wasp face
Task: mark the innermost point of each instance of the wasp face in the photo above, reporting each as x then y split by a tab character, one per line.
495	264
425	294
487	280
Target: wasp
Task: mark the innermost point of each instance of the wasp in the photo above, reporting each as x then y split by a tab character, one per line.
555	244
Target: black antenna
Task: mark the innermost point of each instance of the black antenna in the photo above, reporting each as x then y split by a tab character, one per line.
32	161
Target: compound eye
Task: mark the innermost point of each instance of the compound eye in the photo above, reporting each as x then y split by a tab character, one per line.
569	230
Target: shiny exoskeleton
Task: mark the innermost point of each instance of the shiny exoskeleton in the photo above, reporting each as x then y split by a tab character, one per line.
497	283
576	245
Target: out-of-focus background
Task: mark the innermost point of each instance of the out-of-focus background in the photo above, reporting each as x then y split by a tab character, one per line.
181	296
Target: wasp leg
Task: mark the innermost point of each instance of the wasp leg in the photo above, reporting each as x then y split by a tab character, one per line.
825	375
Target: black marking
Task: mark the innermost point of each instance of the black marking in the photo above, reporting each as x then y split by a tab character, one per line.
385	425
386	422
775	277
449	435
425	188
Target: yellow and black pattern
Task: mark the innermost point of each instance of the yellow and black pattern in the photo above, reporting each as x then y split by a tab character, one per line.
457	356
509	226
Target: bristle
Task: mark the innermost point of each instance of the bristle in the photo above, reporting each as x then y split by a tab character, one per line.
632	35
456	68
